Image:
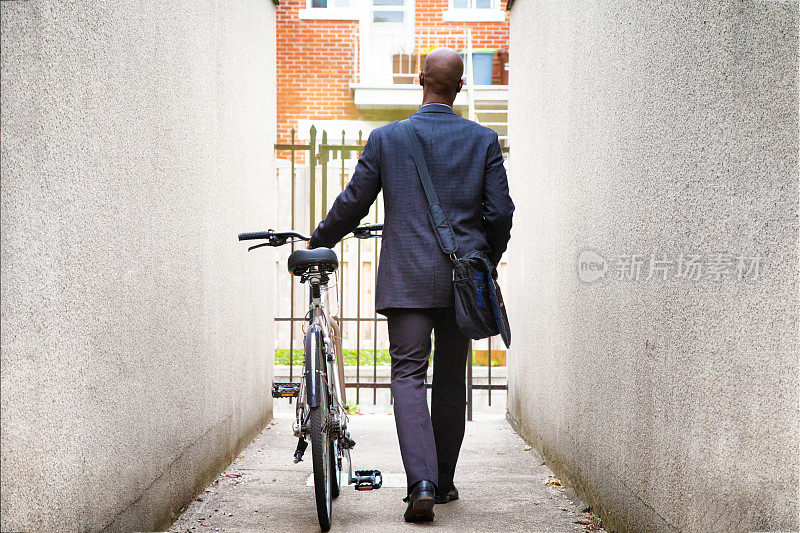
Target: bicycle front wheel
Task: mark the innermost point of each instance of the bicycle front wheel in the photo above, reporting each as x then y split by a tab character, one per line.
321	453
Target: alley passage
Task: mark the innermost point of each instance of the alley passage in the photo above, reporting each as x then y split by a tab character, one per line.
502	483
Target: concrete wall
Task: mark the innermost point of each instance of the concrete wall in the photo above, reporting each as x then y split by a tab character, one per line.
665	128
136	332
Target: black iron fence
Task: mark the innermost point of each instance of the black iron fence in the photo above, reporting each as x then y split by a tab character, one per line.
324	170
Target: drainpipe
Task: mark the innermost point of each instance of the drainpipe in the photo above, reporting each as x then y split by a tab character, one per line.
470	91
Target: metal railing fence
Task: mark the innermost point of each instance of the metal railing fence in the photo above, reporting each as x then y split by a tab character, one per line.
323	180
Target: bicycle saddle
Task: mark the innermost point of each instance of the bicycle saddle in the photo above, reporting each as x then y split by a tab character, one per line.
302	260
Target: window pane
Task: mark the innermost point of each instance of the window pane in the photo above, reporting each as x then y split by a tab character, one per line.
388	2
483	4
460	4
341	3
319	3
387	16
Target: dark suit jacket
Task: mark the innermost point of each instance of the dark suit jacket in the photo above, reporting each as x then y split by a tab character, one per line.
466	167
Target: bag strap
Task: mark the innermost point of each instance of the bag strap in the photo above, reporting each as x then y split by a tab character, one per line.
439	219
419	161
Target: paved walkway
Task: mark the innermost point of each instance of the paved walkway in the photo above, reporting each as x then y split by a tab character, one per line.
502	483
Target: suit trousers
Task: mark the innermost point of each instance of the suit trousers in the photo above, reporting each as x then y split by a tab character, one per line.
429	441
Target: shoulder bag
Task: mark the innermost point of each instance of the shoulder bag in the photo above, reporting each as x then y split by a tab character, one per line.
479	308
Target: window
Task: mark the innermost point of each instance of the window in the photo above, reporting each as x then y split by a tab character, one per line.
329	10
474	11
388	10
322	4
472	4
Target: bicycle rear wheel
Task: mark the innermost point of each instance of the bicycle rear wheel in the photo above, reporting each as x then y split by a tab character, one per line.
321	453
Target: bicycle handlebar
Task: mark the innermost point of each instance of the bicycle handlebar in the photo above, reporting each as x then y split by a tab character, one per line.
272	235
369	227
279	238
367	230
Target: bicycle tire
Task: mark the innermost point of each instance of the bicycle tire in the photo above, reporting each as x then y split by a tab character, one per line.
320	455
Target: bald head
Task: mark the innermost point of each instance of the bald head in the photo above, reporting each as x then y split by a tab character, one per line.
441	76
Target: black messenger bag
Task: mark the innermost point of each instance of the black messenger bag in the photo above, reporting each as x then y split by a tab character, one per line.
479	308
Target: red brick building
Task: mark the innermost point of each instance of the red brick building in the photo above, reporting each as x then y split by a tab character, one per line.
350	65
337	59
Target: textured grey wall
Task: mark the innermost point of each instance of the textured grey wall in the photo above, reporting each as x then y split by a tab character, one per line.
136	331
666	128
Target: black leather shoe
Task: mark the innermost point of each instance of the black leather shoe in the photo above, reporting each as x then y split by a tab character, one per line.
420	502
449	496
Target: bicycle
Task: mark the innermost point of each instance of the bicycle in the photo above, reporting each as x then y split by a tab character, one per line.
320	414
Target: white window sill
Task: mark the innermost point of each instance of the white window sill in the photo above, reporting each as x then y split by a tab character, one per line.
329	13
474	15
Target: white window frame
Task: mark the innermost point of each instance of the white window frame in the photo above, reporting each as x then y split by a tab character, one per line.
474	14
329	13
403	8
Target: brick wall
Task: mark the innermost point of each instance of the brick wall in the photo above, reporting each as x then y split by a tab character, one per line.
315	62
484	34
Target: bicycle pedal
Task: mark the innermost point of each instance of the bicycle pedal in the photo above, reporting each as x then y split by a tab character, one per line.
285	390
368	479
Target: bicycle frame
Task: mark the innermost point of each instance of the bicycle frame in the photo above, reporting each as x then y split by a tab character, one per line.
320	412
320	376
320	340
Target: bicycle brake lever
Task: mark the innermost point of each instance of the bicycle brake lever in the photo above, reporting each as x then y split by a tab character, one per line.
258	246
366	234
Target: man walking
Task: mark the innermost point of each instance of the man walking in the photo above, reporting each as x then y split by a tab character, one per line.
414	286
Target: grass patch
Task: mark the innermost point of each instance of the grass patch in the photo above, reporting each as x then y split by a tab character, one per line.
366	358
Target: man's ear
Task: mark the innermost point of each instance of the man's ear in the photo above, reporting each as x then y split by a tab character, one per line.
421	78
460	85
